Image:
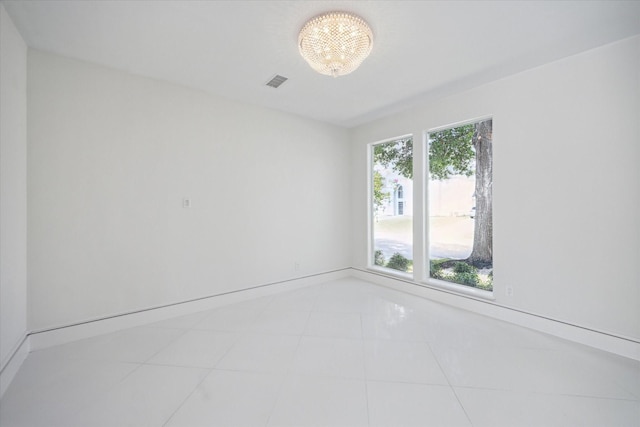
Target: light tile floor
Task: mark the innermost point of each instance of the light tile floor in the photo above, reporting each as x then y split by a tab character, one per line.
345	353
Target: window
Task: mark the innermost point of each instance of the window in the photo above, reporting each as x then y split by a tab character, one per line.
399	198
460	212
391	204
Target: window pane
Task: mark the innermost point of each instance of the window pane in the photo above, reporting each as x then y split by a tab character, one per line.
460	221
392	205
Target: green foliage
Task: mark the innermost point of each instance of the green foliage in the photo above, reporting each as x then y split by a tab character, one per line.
487	285
451	152
466	278
379	196
463	267
378	258
459	272
397	155
438	274
435	268
398	262
435	265
465	274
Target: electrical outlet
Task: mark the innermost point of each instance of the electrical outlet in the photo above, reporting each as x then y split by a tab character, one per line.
296	266
509	291
186	203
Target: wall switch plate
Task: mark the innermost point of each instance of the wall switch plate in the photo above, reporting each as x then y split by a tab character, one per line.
186	203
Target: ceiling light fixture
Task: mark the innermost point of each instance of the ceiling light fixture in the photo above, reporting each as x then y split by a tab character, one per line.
335	43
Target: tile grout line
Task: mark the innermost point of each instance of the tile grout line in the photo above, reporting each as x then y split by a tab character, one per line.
235	337
548	394
204	377
453	390
287	374
210	370
433	344
145	362
364	361
284	377
108	389
635	394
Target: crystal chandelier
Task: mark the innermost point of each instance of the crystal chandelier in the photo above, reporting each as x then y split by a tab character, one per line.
335	43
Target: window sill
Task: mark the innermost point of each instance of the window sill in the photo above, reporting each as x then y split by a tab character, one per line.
434	284
392	273
459	289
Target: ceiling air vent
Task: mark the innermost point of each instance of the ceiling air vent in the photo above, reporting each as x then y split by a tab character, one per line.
276	81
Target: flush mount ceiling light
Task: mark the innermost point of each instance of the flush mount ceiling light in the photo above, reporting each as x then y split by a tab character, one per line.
335	43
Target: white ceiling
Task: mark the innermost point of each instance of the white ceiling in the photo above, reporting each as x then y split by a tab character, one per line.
422	49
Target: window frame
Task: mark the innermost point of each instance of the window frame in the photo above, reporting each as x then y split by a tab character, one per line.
371	215
426	278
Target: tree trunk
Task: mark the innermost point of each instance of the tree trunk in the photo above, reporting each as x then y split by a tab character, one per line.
482	253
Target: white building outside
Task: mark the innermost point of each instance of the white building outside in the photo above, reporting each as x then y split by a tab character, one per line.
450	197
399	190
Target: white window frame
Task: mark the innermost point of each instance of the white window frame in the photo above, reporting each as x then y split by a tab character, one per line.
426	279
371	216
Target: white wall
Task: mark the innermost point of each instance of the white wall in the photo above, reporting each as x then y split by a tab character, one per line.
111	157
13	187
566	184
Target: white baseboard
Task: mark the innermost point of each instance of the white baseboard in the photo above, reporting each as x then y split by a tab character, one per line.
67	333
92	327
601	340
13	363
